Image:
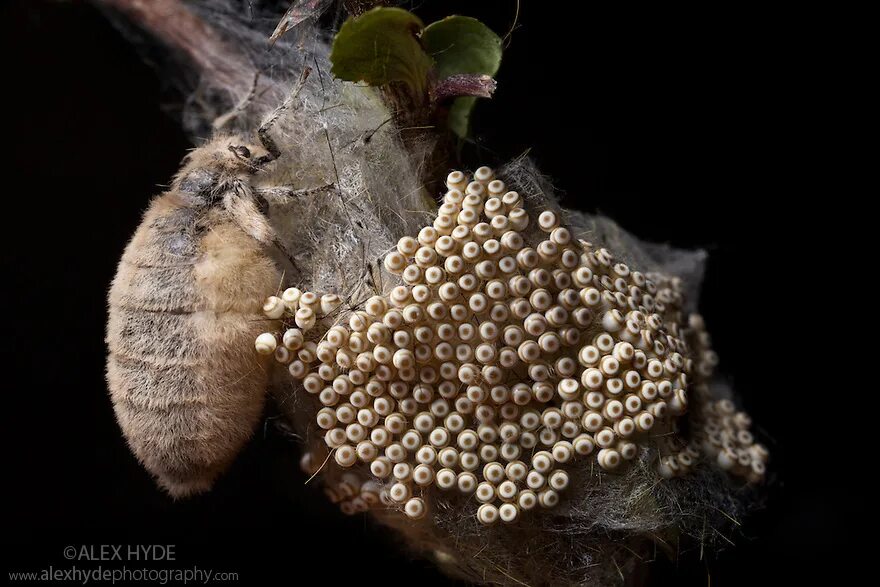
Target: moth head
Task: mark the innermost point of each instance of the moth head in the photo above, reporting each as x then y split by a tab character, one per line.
211	170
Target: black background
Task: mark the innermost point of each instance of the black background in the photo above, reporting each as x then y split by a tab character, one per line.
676	124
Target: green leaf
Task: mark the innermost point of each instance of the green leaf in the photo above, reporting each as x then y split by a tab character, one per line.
460	44
379	47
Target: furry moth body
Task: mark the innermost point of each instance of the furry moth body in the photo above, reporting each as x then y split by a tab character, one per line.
185	385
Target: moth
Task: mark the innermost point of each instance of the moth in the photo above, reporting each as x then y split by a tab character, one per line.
184	310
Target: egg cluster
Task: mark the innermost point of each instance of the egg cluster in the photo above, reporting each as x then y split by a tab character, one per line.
722	434
729	440
494	365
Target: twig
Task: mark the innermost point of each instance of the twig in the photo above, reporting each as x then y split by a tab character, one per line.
183	31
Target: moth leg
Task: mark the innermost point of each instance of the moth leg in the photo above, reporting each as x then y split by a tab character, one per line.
284	194
263	132
287	255
245	212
